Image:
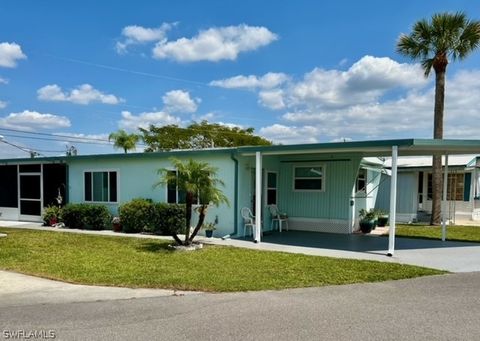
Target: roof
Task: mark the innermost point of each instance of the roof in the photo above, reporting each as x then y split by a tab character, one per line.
406	147
426	161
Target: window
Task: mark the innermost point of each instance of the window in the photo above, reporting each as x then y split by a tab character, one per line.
271	188
309	178
176	195
100	186
455	189
361	180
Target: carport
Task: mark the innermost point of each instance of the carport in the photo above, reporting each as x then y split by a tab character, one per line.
384	148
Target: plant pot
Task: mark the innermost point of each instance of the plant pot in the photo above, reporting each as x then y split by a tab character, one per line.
382	221
117	227
209	233
52	221
366	226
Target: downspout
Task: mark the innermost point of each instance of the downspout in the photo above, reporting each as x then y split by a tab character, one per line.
235	200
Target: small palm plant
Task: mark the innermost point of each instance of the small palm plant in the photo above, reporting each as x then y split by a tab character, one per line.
197	180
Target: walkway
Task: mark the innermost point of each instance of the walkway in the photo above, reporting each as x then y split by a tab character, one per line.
450	256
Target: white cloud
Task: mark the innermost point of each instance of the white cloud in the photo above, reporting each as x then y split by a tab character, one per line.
32	120
180	101
83	94
10	54
135	34
215	44
3	104
3	80
272	99
268	81
283	134
133	122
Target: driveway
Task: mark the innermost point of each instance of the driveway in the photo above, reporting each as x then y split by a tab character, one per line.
431	308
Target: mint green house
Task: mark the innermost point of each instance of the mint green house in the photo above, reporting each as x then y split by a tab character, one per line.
320	186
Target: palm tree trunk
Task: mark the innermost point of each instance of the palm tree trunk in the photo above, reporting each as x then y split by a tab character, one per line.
438	134
188	216
201	219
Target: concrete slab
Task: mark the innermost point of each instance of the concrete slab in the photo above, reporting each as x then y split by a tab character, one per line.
18	289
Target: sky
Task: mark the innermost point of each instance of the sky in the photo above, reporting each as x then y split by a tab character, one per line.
71	72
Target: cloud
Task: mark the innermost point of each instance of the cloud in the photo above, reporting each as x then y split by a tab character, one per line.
3	104
133	122
215	44
283	134
3	80
267	81
134	35
272	99
10	54
33	120
180	101
83	94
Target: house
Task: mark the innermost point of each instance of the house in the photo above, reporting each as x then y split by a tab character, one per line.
415	189
321	186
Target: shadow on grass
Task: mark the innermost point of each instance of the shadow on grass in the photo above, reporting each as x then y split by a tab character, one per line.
155	247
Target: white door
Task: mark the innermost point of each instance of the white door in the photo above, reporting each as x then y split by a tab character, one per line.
30	195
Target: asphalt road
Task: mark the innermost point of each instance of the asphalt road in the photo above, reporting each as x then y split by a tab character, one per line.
432	308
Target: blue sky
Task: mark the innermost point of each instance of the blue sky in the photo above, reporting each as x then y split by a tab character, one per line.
296	71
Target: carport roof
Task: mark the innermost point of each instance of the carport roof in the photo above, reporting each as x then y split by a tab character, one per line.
406	147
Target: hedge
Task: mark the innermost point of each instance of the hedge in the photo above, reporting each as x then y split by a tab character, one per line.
86	216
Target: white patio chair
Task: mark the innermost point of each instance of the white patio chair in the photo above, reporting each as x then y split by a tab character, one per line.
248	221
278	217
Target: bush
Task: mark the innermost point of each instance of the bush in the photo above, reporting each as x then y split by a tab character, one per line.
51	213
169	218
137	216
96	217
88	216
73	216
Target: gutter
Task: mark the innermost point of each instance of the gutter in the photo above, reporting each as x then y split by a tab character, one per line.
235	200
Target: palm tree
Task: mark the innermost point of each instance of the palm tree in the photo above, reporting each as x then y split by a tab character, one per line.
124	140
199	182
446	36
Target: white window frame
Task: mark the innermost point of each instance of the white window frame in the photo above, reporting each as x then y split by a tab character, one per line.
176	189
102	171
322	177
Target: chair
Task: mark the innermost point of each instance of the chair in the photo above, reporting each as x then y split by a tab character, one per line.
248	221
278	217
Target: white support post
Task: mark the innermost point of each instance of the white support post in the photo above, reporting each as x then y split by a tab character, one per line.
444	204
393	202
258	197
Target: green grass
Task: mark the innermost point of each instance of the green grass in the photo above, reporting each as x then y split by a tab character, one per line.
454	233
132	262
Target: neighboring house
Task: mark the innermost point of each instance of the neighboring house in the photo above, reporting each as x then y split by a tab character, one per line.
320	186
414	191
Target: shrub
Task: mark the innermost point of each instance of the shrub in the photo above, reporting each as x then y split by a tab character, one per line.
78	216
73	216
169	218
51	213
137	216
96	217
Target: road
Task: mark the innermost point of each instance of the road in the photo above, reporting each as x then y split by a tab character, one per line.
431	308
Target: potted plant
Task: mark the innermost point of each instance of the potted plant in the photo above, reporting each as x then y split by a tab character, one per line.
116	224
382	218
367	220
51	215
209	228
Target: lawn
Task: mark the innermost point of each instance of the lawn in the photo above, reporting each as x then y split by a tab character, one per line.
132	262
454	233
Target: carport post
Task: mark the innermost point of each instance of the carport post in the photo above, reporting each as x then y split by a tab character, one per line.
444	204
393	202
258	196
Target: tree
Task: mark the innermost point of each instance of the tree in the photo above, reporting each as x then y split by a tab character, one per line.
198	136
199	182
446	36
124	140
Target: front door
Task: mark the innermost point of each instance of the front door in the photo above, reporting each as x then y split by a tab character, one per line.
30	193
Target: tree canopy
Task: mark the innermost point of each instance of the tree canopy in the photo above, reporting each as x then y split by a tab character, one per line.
198	136
124	140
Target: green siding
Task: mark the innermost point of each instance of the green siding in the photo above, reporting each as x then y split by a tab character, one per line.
332	203
137	176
